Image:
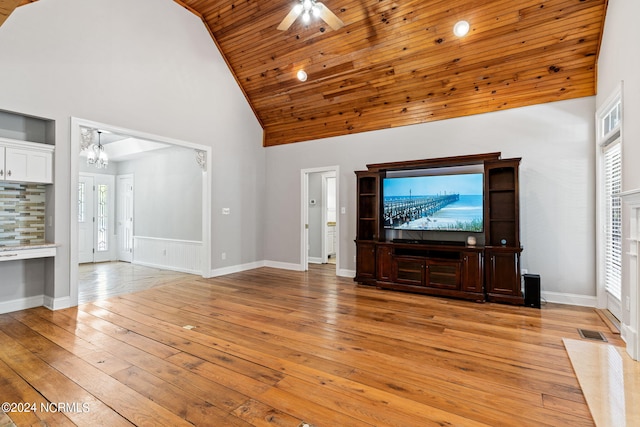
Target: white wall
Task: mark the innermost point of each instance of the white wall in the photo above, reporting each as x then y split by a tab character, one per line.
554	140
619	61
167	194
146	65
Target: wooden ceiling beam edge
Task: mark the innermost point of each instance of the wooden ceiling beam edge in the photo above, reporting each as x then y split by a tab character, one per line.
224	57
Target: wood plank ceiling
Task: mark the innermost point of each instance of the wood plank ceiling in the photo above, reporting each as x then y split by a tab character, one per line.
7	7
398	63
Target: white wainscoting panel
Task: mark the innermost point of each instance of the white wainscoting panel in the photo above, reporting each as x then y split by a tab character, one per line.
168	254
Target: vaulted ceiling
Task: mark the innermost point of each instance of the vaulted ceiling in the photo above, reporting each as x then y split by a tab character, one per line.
397	63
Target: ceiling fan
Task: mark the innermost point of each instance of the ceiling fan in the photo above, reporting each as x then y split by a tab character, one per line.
309	8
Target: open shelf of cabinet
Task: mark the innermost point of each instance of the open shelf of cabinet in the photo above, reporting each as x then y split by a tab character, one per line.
367	225
502	234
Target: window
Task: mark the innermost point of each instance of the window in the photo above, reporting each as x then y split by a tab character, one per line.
613	219
81	202
103	219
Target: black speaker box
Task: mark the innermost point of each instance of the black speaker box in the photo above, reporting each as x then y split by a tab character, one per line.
532	290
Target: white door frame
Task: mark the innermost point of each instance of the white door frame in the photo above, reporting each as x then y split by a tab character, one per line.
304	210
207	185
603	299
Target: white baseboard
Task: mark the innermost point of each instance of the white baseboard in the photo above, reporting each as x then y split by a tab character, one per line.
315	260
236	268
167	267
57	303
630	336
343	272
21	304
283	265
571	299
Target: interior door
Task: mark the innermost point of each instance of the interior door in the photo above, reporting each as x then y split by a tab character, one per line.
125	218
85	219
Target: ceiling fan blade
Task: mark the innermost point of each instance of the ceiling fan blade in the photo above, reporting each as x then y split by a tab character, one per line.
288	20
329	17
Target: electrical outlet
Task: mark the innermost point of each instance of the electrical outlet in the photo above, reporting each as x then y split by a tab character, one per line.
525	271
224	255
226	211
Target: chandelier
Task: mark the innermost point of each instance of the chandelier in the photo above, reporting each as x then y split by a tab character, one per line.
96	155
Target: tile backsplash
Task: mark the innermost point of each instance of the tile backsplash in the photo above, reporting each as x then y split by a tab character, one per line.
22	214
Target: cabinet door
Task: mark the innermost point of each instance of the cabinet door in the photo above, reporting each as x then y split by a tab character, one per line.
472	272
384	265
443	274
26	165
365	262
408	270
503	277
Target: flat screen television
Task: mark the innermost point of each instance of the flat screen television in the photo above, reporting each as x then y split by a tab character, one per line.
437	201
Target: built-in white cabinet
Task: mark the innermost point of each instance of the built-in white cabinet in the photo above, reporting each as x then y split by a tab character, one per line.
22	161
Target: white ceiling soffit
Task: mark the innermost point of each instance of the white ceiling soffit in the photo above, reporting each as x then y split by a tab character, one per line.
129	148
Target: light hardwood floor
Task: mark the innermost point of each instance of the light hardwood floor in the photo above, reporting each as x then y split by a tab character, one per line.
270	347
106	279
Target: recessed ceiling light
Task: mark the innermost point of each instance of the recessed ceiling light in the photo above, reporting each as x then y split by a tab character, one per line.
302	76
461	28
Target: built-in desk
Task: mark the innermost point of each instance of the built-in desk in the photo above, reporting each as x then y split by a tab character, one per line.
40	250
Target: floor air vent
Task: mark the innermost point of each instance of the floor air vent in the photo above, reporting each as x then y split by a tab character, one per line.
592	335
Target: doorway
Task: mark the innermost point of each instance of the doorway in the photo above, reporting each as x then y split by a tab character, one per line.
319	224
609	213
95	214
202	157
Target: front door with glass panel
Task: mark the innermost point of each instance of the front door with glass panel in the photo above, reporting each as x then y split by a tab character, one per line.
95	218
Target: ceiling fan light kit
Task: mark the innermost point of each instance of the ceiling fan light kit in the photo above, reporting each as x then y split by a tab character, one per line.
309	8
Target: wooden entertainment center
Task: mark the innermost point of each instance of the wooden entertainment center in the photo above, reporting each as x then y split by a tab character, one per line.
486	271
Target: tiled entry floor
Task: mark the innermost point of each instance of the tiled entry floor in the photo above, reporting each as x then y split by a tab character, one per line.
610	381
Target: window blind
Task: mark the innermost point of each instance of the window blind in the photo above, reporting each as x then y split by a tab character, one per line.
613	220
